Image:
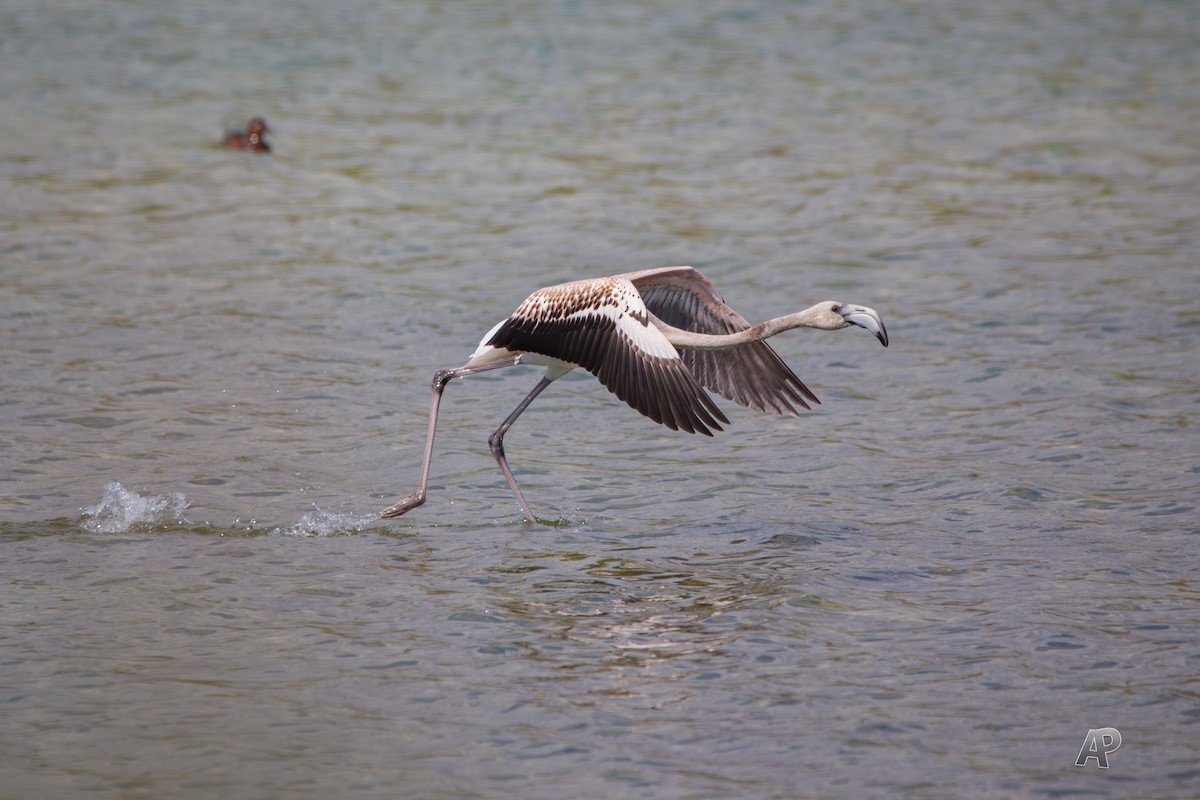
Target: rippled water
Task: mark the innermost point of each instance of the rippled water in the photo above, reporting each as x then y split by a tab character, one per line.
216	369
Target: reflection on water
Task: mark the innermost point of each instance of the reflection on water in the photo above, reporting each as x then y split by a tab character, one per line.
217	372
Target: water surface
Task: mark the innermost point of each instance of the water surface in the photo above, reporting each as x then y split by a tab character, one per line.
216	368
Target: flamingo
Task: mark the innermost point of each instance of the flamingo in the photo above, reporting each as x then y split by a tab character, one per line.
656	338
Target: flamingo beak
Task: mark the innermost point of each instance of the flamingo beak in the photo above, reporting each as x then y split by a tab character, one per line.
867	318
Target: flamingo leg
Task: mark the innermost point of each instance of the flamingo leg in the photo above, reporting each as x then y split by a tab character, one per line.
440	379
496	443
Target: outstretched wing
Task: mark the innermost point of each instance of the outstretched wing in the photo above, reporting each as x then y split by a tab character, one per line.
602	326
753	374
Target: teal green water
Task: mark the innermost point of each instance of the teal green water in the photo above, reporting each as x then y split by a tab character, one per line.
216	373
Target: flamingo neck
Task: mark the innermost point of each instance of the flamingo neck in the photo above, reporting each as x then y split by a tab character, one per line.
688	340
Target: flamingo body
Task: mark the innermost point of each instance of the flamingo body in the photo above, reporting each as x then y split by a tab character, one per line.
603	325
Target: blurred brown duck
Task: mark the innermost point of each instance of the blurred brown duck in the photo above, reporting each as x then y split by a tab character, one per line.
252	139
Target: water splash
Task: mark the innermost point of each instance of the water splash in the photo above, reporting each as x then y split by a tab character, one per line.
121	509
319	522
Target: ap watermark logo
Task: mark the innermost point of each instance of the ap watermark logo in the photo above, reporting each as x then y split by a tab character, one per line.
1098	743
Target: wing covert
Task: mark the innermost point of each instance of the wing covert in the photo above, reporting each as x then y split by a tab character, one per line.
606	331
